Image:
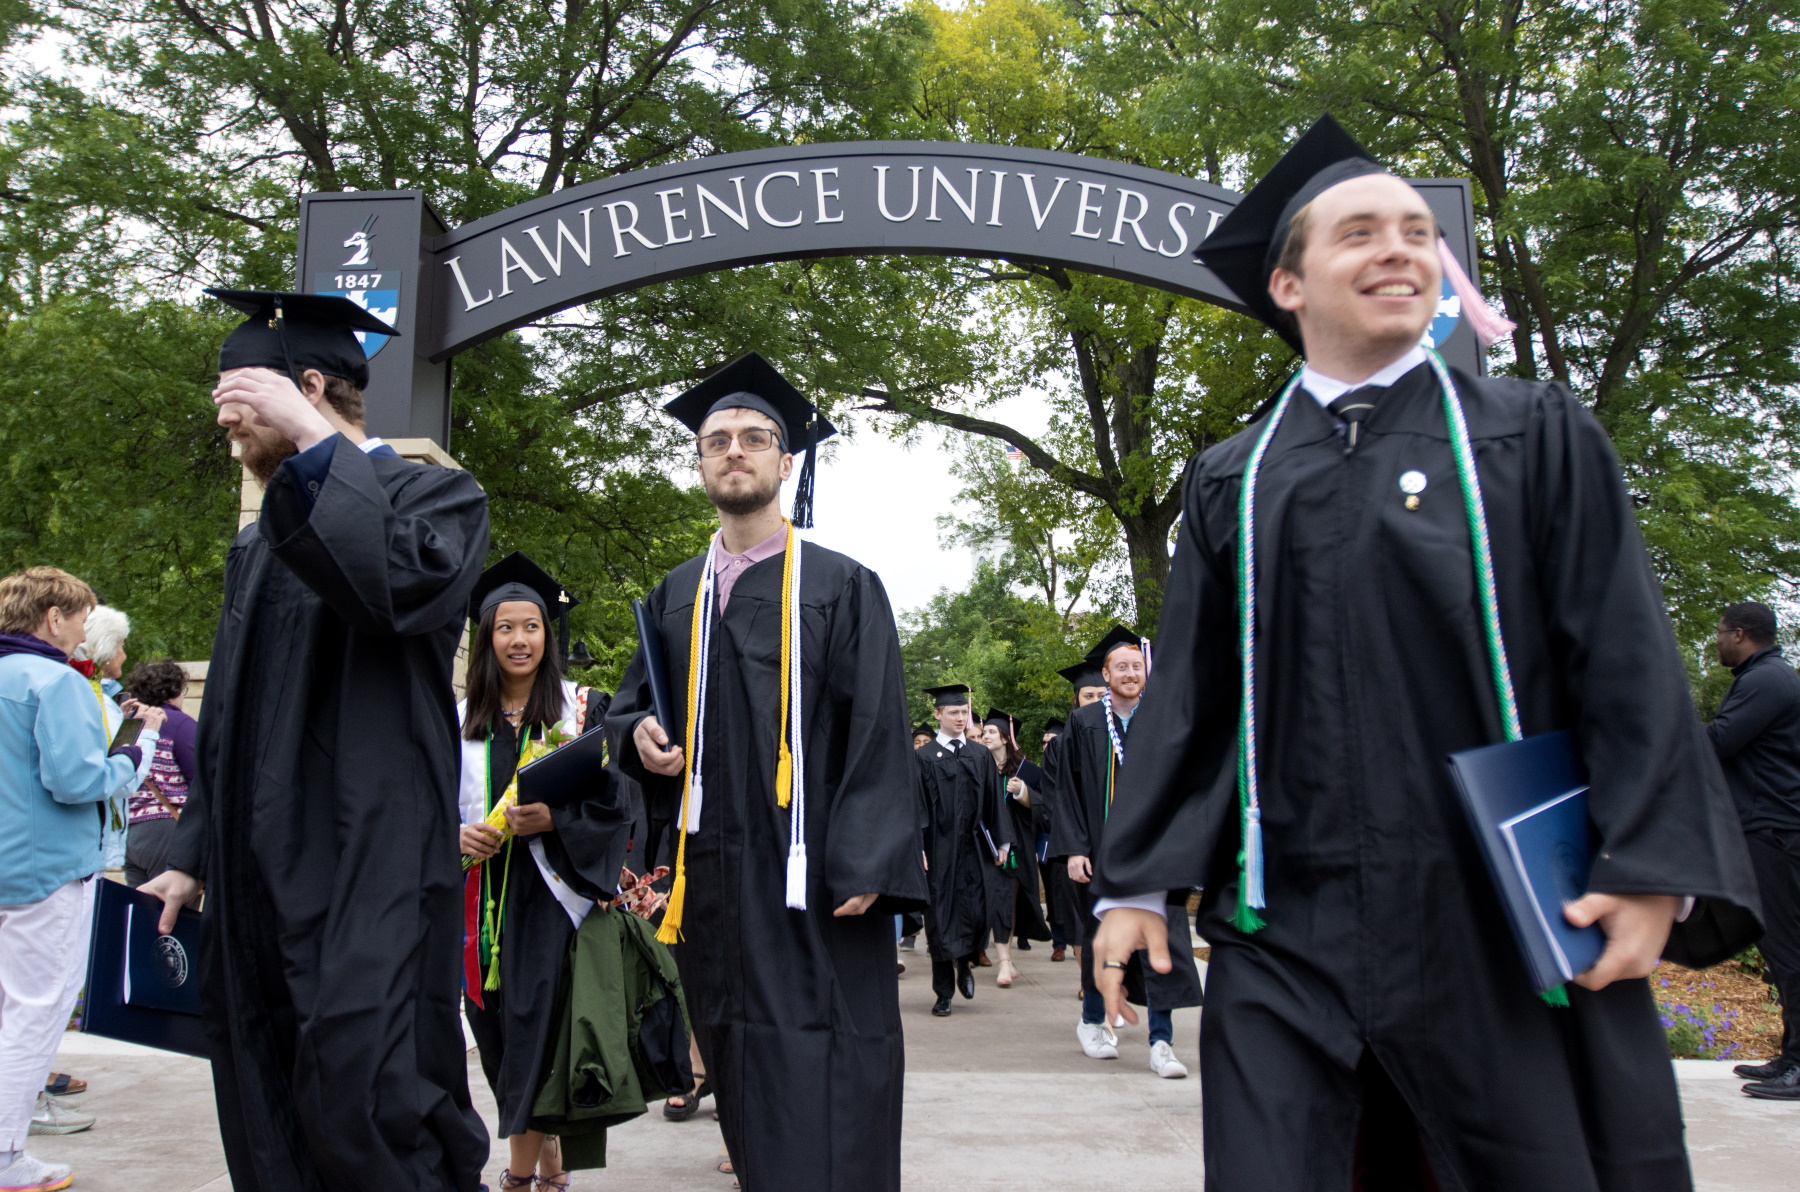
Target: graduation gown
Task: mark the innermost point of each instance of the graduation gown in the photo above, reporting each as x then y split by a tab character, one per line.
551	880
1017	900
1386	948
1059	891
958	792
1081	819
797	1013
323	821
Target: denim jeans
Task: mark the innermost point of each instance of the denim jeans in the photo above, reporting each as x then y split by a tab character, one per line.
1162	1022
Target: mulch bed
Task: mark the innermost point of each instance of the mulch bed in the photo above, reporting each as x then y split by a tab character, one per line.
1717	1013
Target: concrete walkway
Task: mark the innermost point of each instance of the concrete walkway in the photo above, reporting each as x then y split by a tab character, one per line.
997	1096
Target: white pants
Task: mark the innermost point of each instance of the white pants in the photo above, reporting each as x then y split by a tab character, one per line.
43	961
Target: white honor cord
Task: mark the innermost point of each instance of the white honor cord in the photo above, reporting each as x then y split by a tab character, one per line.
796	863
703	645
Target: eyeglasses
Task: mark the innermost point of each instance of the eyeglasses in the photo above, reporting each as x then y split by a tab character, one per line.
713	446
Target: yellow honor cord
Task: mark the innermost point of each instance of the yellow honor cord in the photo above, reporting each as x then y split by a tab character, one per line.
784	768
670	931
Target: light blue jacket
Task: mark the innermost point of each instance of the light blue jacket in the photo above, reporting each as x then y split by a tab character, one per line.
55	776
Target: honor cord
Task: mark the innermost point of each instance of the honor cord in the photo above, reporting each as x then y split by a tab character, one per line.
1251	893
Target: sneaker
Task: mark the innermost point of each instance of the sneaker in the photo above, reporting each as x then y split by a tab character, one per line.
53	1117
1164	1063
34	1175
1098	1042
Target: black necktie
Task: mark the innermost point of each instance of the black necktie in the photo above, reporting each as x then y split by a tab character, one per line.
953	744
1352	408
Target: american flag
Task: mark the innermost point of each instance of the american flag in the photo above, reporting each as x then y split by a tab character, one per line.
1014	455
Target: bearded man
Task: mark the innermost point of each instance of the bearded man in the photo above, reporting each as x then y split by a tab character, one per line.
323	819
787	769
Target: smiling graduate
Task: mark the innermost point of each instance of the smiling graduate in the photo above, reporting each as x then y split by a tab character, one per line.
1368	1015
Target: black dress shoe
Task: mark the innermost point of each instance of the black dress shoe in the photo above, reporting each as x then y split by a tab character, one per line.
1768	1071
942	1009
965	981
1023	945
1785	1087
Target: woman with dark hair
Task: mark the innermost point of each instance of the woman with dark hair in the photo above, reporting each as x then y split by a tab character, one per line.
153	808
1013	892
531	883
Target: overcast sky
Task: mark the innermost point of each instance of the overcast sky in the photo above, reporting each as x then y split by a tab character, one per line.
879	502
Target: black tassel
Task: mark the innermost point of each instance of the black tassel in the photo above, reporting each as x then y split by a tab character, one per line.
803	492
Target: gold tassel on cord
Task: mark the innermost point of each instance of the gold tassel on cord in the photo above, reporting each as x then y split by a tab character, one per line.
670	931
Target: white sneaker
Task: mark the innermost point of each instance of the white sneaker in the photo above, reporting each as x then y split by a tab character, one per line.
53	1117
1164	1063
34	1175
1098	1042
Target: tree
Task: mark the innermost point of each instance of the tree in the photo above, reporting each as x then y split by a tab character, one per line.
1637	185
1007	648
1139	380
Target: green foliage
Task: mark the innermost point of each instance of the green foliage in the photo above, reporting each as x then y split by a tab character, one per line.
115	469
1004	646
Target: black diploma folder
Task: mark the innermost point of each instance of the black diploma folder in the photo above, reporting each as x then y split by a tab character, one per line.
1527	802
143	987
656	666
567	773
1031	776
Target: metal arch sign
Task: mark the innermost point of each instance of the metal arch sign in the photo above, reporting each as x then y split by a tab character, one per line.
451	290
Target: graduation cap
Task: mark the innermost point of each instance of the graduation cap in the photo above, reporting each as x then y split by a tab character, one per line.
752	383
950	695
1005	720
294	332
1115	637
929	730
1083	674
1054	725
1245	247
516	577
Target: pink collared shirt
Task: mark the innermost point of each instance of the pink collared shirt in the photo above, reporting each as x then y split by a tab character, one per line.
727	566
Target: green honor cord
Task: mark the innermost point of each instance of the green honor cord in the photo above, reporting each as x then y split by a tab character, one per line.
1251	895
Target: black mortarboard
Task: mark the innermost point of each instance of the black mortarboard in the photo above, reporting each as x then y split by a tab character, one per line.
929	730
949	695
1005	720
291	333
752	383
516	577
1115	637
1243	249
1083	674
1054	725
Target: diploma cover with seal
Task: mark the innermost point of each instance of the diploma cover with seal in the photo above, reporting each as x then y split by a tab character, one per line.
1527	802
144	987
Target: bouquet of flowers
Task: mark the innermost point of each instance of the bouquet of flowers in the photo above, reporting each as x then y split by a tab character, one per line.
560	733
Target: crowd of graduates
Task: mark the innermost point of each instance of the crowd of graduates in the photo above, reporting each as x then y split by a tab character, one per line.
706	871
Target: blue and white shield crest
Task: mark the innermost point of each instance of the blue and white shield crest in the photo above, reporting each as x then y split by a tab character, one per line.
383	304
1443	324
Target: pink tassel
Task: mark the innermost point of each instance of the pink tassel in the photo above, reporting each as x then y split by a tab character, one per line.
1144	644
1489	325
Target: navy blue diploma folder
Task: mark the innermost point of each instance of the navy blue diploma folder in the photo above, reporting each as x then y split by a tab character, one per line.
656	666
1527	802
143	987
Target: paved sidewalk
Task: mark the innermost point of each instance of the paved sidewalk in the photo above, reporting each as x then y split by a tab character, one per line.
997	1096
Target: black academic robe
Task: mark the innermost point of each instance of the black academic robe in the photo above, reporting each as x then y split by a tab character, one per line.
1386	949
959	792
797	1013
1059	891
323	820
1080	822
515	1025
1016	899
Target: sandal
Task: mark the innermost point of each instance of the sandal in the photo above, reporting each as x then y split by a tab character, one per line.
61	1084
552	1183
509	1182
688	1106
